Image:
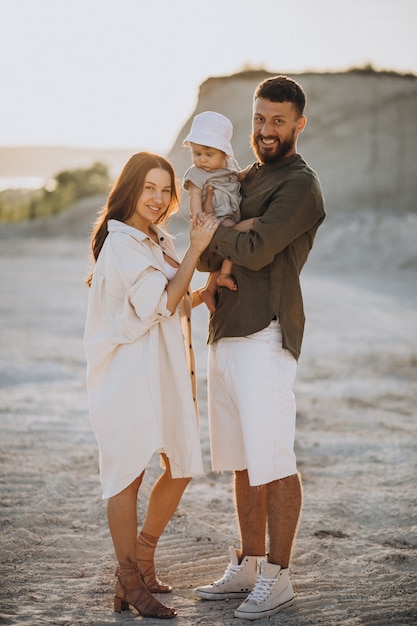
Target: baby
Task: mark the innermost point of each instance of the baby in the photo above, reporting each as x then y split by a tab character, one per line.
214	165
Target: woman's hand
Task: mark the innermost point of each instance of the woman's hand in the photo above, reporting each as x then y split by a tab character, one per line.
202	229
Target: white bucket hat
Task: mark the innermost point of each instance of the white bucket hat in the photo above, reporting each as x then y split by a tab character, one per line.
213	130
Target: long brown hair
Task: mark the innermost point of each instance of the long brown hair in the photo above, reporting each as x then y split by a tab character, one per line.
124	195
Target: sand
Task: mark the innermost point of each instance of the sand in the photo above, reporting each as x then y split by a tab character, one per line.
355	560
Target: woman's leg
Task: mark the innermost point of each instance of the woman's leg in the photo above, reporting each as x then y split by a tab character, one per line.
163	502
122	519
130	589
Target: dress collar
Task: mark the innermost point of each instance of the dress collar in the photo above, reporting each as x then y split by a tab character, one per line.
116	226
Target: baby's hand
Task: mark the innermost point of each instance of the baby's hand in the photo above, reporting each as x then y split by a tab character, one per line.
198	220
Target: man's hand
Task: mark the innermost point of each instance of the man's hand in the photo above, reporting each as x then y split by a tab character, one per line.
245	225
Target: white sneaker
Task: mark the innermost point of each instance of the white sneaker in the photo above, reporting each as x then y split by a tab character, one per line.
236	582
271	593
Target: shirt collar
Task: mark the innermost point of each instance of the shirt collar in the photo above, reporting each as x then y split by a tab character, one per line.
277	164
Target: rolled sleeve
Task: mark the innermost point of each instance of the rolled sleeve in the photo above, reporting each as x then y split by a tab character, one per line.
151	308
138	288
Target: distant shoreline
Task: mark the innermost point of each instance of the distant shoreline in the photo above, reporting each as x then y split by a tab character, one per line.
22	182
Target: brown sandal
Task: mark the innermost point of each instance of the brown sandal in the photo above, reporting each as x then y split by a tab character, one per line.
130	590
145	549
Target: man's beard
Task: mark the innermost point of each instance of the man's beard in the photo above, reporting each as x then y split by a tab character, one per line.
275	153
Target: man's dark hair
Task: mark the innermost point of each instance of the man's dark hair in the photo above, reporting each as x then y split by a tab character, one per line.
282	89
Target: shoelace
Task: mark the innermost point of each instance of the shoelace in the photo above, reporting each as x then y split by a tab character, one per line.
230	572
261	590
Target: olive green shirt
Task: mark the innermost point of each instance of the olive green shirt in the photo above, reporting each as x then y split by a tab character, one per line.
286	197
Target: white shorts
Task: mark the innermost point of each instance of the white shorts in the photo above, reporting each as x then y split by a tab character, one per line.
252	405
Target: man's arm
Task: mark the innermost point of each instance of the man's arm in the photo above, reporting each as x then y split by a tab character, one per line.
245	225
293	211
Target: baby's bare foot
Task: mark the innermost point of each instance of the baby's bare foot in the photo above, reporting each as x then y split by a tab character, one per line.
227	280
209	299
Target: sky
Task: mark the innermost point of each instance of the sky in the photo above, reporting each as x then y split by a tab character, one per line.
126	73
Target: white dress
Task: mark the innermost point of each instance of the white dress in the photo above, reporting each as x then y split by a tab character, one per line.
140	364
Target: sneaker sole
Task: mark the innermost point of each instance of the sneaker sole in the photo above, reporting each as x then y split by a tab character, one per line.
261	614
206	595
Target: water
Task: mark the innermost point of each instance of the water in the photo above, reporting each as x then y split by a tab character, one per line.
26	182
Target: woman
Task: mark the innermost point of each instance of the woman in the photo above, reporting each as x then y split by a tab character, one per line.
140	367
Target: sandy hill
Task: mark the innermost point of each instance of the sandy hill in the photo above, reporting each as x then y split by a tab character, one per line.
361	135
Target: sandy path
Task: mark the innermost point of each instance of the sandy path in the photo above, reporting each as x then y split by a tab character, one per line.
355	560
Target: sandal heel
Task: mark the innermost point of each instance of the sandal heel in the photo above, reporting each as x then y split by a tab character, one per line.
120	605
131	591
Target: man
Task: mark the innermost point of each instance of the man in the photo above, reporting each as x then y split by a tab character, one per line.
255	338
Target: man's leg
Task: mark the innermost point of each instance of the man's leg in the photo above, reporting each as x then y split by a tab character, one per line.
251	506
242	572
284	501
273	590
